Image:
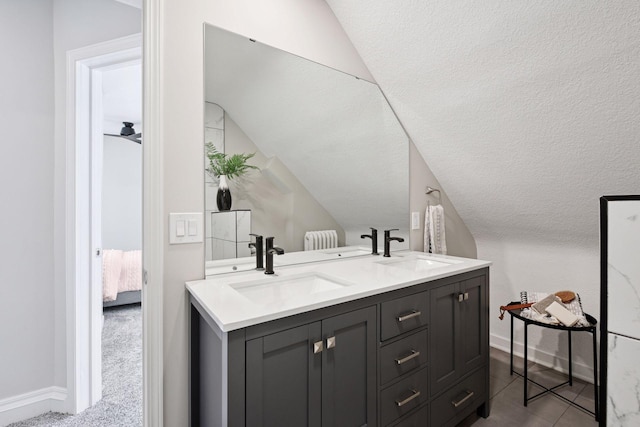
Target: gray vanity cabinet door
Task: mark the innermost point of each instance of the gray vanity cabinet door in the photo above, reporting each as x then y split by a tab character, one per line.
349	369
473	324
458	331
444	328
283	379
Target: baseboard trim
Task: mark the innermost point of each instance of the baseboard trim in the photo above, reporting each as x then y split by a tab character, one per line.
31	404
544	358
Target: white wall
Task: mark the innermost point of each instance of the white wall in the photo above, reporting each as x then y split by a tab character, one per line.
76	23
542	266
305	27
121	194
26	172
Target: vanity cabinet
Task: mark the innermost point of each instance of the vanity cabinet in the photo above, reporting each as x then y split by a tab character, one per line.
320	374
458	342
415	356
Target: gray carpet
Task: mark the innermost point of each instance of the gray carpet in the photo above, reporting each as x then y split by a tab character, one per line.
121	403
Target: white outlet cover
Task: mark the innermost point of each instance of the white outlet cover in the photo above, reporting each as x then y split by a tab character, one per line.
415	220
194	219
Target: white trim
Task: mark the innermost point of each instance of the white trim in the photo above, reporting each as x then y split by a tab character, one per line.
31	404
153	214
95	225
544	358
82	312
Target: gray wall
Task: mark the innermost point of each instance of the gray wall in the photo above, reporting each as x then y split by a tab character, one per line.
77	23
35	36
26	172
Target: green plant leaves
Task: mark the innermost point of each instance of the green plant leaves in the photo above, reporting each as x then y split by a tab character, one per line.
232	166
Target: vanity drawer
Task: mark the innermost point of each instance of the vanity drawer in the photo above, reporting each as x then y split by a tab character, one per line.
403	314
403	356
419	419
403	397
458	398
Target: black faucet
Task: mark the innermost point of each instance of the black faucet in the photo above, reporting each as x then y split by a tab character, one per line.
374	240
258	246
388	239
270	250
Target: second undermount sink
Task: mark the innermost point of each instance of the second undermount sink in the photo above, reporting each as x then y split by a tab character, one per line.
276	290
419	263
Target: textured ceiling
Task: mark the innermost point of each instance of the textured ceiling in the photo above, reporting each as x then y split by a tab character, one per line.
526	111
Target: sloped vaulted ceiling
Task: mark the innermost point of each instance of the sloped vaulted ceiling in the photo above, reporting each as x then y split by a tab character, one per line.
526	111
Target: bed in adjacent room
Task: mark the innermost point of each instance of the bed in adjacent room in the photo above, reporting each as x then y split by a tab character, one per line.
121	277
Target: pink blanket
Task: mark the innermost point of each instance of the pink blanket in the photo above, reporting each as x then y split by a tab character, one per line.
121	271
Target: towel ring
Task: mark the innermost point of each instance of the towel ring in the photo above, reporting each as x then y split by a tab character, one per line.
432	190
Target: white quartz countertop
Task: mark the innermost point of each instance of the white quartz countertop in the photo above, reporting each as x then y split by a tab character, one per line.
242	299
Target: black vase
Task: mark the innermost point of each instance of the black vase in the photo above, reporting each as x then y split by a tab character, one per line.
223	199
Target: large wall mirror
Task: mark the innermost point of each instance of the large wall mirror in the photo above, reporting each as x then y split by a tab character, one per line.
331	153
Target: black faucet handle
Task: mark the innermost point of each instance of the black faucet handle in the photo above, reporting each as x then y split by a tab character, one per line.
387	233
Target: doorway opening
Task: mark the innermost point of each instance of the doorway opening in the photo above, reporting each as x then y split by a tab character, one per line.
89	112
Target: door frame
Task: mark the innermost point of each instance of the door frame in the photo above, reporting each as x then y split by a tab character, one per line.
84	303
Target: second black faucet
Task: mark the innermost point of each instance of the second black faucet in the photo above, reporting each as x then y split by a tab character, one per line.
388	239
269	251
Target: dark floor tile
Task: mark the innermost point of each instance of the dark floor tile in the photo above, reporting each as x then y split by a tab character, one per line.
505	412
549	378
497	384
507	408
576	417
548	407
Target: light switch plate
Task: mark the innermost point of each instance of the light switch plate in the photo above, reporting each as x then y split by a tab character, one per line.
415	220
192	229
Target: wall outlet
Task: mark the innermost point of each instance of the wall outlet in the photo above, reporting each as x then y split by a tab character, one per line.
415	220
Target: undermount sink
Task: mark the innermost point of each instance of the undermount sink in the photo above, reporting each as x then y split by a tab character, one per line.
275	290
348	251
418	263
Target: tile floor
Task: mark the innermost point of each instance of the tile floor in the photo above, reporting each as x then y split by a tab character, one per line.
546	411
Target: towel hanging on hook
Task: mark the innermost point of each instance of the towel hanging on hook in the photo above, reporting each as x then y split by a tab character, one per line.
434	229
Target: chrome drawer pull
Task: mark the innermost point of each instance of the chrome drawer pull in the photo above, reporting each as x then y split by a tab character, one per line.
464	399
413	355
318	347
414	313
408	399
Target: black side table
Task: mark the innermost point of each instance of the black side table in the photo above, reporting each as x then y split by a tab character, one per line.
591	329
